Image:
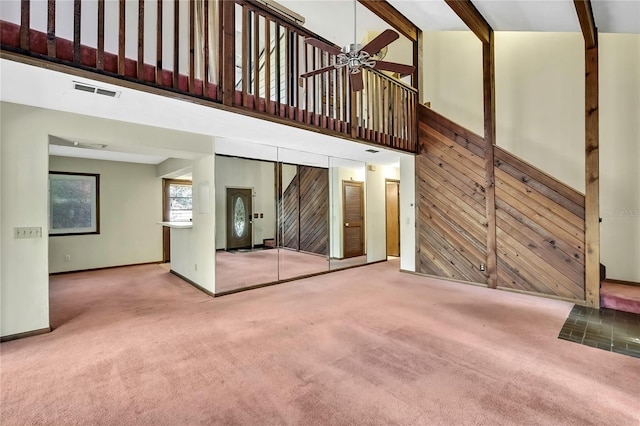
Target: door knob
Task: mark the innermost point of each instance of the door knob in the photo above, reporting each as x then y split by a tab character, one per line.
346	224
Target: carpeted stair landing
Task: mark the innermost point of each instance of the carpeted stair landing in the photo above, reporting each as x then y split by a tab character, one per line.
620	296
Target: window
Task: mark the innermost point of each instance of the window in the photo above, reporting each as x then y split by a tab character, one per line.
178	201
74	204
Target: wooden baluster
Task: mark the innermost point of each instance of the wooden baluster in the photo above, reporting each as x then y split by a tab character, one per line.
375	113
267	64
256	61
370	104
176	44
278	68
159	79
25	24
307	84
140	64
205	77
345	100
121	36
192	46
287	75
245	55
323	96
100	51
51	28
77	18
315	95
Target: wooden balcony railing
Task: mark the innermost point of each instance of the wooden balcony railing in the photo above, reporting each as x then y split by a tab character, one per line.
227	51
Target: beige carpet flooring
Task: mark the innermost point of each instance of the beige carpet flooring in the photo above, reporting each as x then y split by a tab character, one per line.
370	345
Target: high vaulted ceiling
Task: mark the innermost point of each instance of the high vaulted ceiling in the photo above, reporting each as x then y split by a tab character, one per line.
611	16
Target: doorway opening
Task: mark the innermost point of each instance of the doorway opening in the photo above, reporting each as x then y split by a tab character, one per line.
392	210
177	204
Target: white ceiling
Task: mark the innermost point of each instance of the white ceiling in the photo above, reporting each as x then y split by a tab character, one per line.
611	16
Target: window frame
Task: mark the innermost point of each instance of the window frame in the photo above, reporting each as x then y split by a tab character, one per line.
94	178
166	205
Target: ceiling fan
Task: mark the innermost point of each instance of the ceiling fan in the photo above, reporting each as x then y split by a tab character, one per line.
354	57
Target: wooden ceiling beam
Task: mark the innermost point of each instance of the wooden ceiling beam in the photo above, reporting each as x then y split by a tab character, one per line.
392	17
472	18
587	22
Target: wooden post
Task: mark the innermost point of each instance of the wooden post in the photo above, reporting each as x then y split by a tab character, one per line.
592	184
488	82
481	28
592	155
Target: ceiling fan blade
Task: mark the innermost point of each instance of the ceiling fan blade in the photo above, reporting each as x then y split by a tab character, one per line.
318	71
356	81
323	46
394	67
385	38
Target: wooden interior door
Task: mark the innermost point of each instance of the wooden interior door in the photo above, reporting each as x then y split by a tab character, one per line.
353	215
393	217
239	218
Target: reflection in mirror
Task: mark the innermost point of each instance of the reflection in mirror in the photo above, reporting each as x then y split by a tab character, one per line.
303	201
347	203
245	221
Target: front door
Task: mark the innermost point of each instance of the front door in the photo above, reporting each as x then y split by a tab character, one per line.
353	226
393	217
239	221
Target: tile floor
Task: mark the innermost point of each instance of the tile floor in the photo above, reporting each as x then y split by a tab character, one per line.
606	329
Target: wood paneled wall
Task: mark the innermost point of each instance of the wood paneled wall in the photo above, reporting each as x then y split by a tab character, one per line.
305	211
452	231
539	229
539	220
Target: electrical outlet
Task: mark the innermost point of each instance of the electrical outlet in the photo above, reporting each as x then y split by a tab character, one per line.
33	232
483	267
196	267
67	257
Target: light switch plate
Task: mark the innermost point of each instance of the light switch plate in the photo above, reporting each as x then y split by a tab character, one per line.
32	232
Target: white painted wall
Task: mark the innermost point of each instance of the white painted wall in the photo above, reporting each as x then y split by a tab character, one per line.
376	219
193	250
540	116
620	154
174	168
452	76
24	285
407	214
241	173
24	172
540	101
130	209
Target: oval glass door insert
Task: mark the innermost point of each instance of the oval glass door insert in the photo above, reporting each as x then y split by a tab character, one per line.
239	218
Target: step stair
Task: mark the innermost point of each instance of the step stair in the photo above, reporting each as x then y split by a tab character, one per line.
620	295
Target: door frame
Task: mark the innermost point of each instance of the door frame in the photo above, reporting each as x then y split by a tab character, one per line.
226	214
346	183
166	231
386	222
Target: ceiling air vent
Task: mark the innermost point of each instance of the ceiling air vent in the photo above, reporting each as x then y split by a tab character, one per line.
84	87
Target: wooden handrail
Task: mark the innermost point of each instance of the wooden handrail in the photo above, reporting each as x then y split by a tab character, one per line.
274	54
